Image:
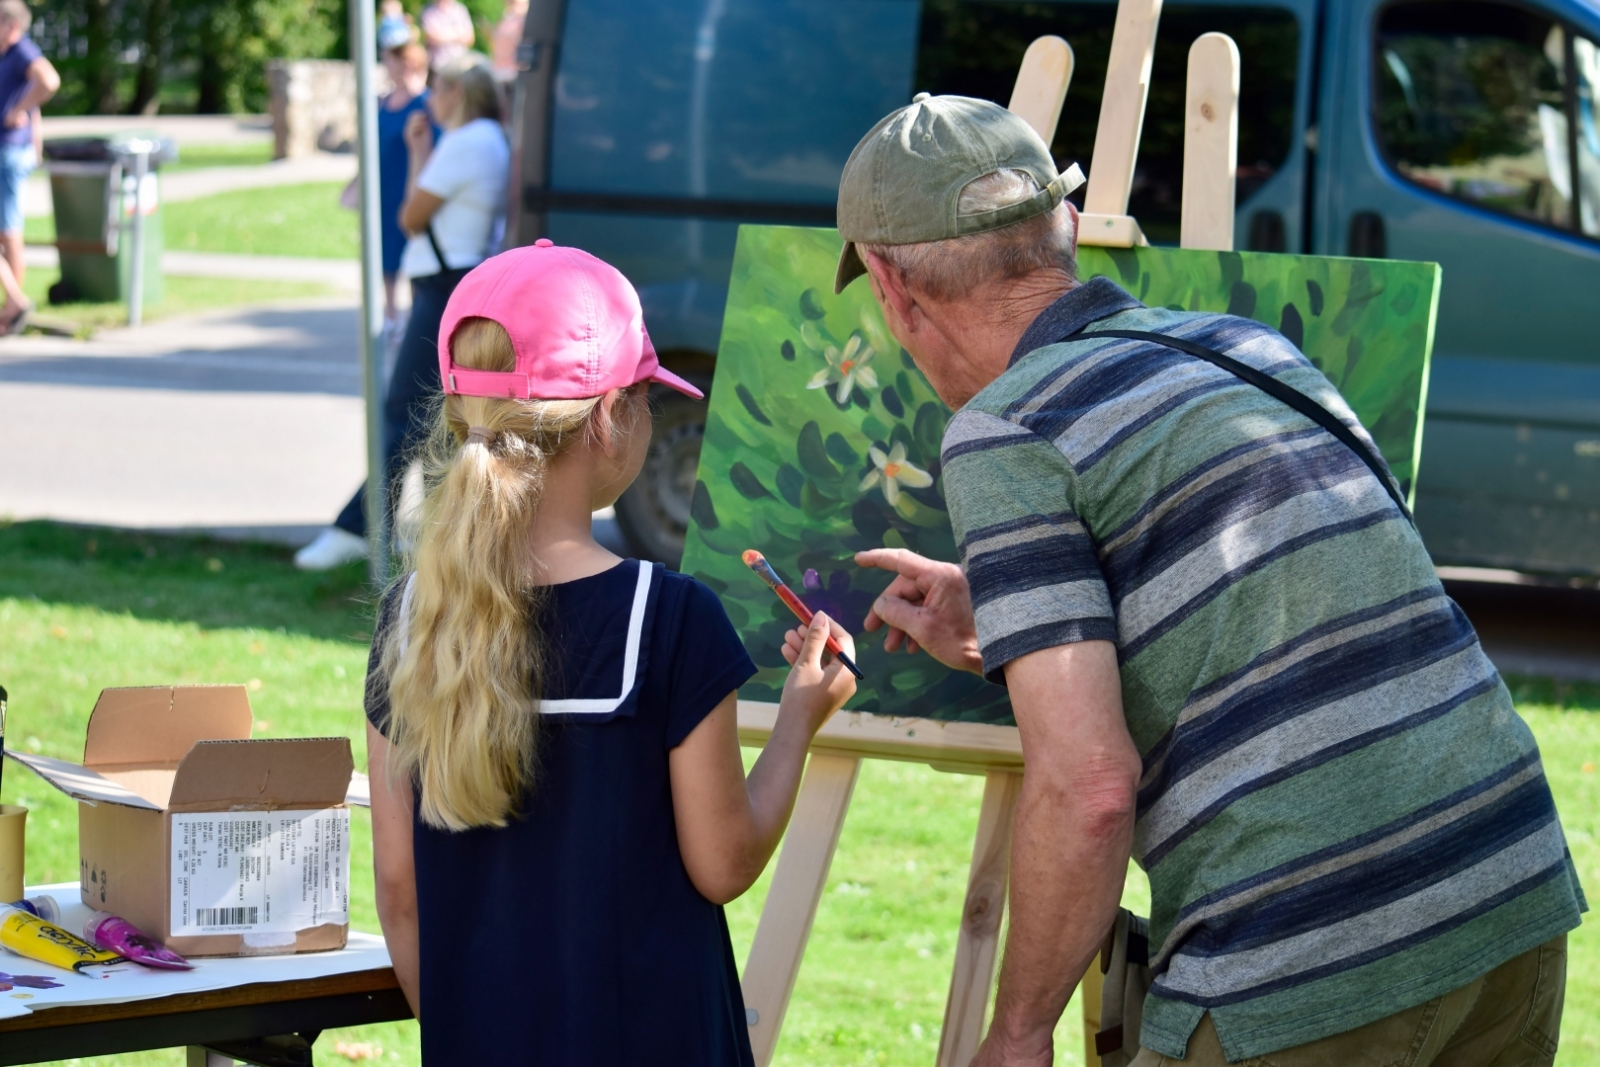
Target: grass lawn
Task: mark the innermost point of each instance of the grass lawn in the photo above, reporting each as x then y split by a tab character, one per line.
280	220
82	609
185	295
231	154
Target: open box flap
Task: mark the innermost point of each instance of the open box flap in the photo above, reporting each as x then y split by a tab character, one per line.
299	771
81	783
160	724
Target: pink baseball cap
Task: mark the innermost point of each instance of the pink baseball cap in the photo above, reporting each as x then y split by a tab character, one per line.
574	321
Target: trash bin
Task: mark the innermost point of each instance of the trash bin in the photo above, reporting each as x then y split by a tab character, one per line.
93	195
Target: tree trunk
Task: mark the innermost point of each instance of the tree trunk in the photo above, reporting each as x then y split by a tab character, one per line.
147	87
99	65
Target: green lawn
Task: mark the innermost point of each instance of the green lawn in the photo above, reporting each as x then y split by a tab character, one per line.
280	220
275	220
233	154
83	609
185	295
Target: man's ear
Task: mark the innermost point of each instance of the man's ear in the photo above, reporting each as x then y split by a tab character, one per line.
889	286
1072	209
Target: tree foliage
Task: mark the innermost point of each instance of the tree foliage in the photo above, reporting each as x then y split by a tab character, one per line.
140	56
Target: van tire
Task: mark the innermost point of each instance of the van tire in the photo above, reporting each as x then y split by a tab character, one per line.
654	511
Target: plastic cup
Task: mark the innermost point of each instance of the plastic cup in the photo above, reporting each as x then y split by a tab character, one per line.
13	825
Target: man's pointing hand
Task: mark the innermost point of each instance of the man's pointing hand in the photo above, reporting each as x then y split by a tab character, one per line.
928	605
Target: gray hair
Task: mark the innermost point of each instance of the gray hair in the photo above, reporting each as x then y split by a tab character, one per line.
953	268
16	12
480	97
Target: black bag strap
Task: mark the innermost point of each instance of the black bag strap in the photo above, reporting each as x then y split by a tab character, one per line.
438	253
1288	394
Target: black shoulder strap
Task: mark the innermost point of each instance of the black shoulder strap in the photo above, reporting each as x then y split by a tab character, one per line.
438	253
1274	388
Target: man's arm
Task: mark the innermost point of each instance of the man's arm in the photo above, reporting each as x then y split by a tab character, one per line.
43	81
1070	843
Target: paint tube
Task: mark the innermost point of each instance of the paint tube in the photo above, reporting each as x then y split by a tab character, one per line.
27	935
116	934
45	908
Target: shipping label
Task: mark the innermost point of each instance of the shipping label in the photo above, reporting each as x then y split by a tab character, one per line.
240	872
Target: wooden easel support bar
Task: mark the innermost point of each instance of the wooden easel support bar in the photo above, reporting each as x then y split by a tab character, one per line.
791	907
1210	143
978	943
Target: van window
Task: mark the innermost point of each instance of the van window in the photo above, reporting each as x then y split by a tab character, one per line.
973	47
1472	101
750	100
1586	68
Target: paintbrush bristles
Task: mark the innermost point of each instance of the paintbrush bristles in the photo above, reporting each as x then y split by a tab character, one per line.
758	563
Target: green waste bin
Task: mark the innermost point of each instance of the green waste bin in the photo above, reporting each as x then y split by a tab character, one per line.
92	190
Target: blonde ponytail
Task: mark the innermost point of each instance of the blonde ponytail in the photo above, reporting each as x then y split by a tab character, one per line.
467	663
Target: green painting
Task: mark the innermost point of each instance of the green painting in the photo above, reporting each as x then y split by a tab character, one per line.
823	438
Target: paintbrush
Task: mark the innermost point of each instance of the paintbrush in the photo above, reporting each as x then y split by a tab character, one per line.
758	563
2	730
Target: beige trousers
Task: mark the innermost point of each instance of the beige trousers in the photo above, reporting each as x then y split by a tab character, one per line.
1509	1017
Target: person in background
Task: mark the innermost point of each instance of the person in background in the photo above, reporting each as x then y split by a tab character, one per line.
407	64
447	31
27	81
454	213
505	38
552	731
394	25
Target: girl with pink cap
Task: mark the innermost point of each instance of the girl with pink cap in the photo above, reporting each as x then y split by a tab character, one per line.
559	806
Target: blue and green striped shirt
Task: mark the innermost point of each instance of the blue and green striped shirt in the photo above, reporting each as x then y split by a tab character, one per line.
1340	813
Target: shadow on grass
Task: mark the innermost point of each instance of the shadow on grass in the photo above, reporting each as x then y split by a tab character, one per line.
1566	696
210	583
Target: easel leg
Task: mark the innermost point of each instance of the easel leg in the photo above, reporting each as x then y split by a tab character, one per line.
978	945
1091	986
780	941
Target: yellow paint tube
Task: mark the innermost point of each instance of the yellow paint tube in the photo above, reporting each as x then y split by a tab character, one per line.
30	936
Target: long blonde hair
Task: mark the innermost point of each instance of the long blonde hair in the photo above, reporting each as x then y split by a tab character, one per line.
465	654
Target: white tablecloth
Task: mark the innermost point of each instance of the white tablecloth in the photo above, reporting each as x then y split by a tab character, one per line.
129	981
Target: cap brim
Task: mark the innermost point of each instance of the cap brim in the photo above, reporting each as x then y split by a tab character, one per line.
850	268
672	381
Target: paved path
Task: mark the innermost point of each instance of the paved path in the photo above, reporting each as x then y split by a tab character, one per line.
242	419
242	423
341	274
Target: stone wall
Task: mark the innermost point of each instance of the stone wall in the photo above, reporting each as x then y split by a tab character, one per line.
313	105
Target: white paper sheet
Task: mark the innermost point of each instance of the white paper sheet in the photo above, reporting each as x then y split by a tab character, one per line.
129	981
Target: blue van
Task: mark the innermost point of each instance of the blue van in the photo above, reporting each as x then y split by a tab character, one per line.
1461	131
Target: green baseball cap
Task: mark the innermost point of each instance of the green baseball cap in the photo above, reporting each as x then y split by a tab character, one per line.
903	182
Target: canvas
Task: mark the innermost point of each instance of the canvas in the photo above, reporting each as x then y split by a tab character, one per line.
808	384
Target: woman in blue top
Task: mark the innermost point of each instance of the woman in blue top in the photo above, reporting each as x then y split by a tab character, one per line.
558	802
407	64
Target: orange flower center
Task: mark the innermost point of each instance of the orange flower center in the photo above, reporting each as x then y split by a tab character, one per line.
847	366
891	470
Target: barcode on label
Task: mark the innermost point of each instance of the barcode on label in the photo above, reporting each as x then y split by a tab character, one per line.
226	916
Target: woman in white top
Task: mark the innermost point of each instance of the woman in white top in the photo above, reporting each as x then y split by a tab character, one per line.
454	208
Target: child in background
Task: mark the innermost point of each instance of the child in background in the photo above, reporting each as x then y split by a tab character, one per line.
558	802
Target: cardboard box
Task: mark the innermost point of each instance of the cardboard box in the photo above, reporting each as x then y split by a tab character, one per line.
212	843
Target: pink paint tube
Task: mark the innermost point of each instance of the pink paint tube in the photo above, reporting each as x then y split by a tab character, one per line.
118	935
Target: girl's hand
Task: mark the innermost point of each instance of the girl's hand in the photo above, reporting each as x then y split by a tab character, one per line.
419	133
814	692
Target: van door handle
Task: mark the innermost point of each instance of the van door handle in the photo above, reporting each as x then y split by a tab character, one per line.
1367	239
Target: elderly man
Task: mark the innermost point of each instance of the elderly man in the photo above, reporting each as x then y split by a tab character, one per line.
1226	648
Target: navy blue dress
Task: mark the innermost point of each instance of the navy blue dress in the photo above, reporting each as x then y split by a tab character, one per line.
573	935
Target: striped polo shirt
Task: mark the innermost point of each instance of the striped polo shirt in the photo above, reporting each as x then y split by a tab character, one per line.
1340	812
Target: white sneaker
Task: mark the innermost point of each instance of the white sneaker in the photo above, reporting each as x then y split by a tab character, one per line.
332	547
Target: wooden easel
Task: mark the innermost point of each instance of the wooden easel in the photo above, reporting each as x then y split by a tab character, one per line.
974	748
